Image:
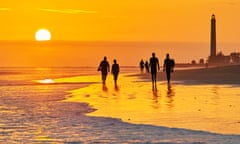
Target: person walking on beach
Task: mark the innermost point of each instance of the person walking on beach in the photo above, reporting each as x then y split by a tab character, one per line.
147	66
168	67
104	68
115	71
141	64
154	65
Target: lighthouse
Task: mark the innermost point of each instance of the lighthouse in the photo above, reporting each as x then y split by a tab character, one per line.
213	37
215	58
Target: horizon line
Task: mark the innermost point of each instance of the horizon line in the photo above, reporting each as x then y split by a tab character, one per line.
49	41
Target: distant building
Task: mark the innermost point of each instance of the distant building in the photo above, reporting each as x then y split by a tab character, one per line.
219	59
201	61
193	62
235	57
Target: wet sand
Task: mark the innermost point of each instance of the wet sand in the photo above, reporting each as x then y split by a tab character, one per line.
207	107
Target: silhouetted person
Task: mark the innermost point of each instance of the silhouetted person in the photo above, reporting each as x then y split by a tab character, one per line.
141	64
104	68
154	65
115	71
147	66
168	67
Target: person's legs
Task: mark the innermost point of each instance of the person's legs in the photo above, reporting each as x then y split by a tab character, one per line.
154	80
168	76
156	77
115	79
104	76
152	77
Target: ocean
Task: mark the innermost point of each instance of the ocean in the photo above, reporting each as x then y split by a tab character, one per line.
68	105
90	53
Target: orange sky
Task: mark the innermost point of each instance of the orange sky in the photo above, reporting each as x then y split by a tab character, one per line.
116	20
152	20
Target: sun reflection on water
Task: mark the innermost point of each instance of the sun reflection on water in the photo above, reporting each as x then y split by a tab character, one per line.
46	81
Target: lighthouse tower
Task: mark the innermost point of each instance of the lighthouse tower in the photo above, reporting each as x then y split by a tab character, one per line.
213	37
215	58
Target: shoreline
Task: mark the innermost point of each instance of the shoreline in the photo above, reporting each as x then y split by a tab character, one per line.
135	102
211	75
77	110
135	86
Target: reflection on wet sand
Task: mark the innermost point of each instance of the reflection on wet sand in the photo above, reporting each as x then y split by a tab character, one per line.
116	88
104	88
156	97
170	96
184	106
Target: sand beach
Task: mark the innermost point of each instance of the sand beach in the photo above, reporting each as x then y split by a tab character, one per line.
211	75
197	102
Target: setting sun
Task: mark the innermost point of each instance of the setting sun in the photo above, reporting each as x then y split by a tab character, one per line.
43	35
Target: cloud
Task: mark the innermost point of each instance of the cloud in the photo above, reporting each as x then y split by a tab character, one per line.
67	11
231	2
4	9
108	16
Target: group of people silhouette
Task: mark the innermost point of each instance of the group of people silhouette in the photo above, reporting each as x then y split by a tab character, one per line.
104	67
153	66
142	65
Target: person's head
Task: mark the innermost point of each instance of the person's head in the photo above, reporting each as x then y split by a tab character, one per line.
167	55
115	61
105	58
153	54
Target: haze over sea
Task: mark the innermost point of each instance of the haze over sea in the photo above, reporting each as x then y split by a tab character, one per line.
89	53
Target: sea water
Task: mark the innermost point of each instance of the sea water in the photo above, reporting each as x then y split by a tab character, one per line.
58	110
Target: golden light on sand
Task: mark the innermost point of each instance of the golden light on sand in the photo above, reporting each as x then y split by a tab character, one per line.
43	35
46	81
211	108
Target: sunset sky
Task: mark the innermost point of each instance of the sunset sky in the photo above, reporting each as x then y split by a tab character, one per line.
121	20
128	20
